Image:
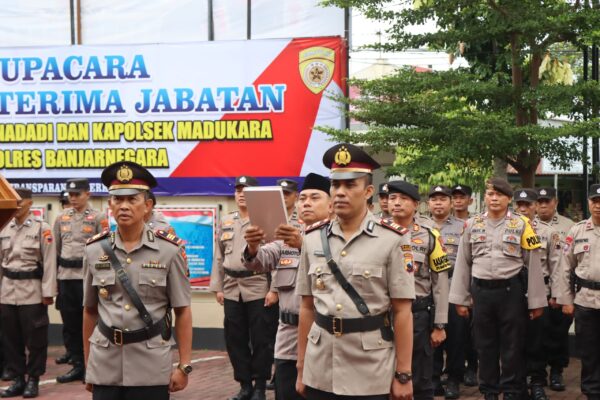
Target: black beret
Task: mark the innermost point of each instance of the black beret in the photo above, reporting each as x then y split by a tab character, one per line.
404	187
528	195
464	189
440	189
383	189
125	178
546	193
500	185
77	185
245	180
317	182
347	161
288	185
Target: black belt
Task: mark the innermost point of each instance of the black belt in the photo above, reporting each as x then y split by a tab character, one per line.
235	273
494	283
338	326
120	337
70	263
586	283
422	303
18	275
289	318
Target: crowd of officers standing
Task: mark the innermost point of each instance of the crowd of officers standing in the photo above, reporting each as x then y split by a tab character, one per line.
401	305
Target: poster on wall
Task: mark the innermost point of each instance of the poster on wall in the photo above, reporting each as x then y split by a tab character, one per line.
222	110
196	227
39	212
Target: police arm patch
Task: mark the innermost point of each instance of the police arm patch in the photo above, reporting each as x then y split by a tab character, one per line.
438	259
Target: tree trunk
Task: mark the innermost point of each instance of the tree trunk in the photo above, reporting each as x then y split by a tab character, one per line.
500	168
527	175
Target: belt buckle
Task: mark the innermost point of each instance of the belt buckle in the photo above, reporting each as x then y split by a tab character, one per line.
118	336
336	332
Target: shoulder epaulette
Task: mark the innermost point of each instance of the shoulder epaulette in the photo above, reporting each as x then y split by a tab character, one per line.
389	224
98	236
316	225
169	237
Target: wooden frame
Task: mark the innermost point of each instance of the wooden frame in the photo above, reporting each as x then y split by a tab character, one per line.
8	201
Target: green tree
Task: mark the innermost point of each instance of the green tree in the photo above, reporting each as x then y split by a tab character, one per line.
462	120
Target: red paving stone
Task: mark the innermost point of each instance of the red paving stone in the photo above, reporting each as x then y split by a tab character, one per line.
212	380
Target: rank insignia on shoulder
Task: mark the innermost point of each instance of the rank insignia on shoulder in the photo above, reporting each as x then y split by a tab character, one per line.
168	237
389	224
316	225
98	236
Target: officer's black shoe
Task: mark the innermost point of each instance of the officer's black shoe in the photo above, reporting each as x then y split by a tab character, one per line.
260	385
65	358
32	388
77	373
556	382
537	392
438	389
15	389
490	396
452	391
7	375
271	384
245	392
470	378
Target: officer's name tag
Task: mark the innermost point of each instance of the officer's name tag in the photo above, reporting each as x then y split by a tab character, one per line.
105	265
319	253
154	265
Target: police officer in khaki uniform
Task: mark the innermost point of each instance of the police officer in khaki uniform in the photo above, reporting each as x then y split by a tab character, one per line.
526	203
133	277
498	272
430	309
578	288
382	196
346	348
156	220
450	228
248	317
28	261
72	228
556	337
63	199
283	256
462	198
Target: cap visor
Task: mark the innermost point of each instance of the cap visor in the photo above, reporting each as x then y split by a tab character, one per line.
75	190
124	192
346	175
593	195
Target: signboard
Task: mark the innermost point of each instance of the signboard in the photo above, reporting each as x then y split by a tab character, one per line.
197	227
196	114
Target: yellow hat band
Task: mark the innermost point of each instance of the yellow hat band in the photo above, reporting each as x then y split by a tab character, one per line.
365	170
140	187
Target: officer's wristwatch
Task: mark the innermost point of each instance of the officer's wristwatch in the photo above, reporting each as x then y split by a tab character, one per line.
185	368
439	326
403	377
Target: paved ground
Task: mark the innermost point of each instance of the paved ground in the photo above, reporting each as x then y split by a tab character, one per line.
212	380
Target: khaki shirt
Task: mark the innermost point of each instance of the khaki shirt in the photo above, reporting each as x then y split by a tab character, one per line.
561	224
493	249
157	269
427	281
451	231
551	251
376	261
284	260
71	231
158	221
22	248
581	254
230	247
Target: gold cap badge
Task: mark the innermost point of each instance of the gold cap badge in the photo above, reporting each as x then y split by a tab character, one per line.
342	157
124	174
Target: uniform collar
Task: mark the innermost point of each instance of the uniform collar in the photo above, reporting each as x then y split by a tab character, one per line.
367	226
86	211
148	240
589	224
27	222
508	215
